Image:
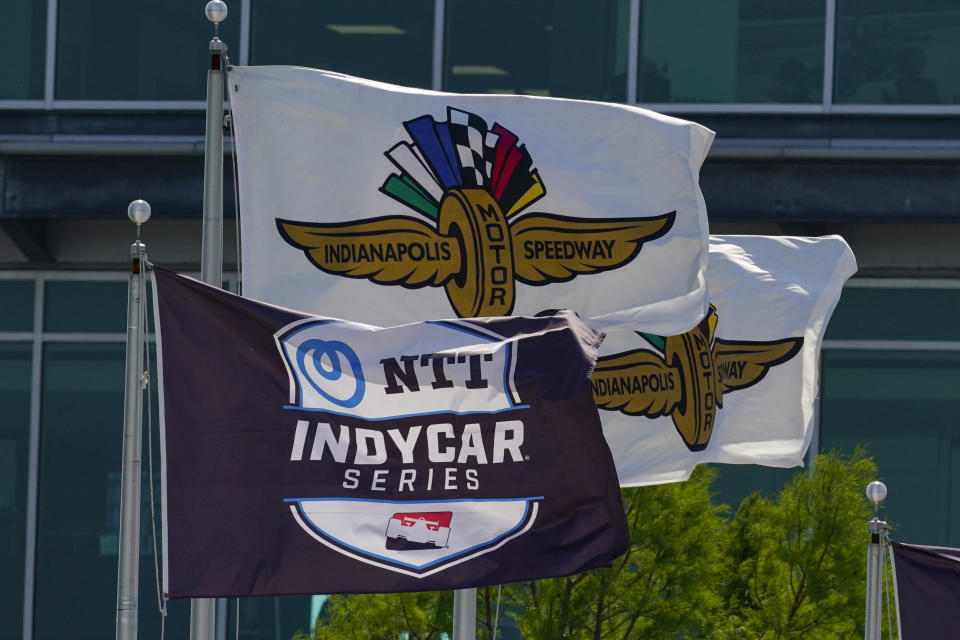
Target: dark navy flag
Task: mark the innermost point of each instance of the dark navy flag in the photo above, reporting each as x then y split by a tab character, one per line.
928	591
313	455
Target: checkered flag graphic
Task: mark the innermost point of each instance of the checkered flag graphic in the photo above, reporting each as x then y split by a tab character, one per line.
489	154
475	147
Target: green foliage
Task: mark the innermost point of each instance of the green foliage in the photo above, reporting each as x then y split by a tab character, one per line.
400	616
789	567
798	563
661	588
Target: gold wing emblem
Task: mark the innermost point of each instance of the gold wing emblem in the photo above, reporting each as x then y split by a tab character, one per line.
554	248
744	364
637	383
386	250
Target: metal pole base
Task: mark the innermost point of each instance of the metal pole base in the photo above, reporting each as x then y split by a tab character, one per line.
202	616
465	614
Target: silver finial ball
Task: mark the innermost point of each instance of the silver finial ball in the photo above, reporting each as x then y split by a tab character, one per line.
216	11
139	211
876	492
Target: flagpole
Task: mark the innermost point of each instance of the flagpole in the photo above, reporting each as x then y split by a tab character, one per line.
203	610
128	556
465	614
876	492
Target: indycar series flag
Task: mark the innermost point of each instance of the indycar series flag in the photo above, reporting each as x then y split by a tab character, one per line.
311	455
740	386
399	205
927	581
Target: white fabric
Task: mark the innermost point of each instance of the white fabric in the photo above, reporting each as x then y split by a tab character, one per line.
310	148
764	289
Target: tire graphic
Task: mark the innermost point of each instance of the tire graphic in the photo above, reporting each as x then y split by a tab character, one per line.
485	284
694	420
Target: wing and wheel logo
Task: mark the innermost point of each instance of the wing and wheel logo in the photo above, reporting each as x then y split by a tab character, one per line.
470	186
686	377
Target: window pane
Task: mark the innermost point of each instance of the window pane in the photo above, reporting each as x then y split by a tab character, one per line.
380	39
81	430
79	511
113	50
902	406
16	300
85	306
564	48
23	30
15	367
895	314
895	52
79	501
752	51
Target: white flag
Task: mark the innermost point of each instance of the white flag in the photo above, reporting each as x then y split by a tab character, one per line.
740	386
386	204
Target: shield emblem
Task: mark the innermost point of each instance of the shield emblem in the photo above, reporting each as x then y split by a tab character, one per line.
415	538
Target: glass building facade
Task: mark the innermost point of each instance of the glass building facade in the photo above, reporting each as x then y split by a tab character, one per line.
890	365
801	55
62	353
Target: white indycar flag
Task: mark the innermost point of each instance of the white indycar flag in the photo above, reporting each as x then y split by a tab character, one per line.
387	205
740	386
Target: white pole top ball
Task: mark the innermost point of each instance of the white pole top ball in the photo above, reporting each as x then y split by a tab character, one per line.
138	211
876	492
216	11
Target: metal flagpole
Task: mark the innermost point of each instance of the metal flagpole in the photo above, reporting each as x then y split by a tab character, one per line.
876	492
465	614
203	610
211	261
128	558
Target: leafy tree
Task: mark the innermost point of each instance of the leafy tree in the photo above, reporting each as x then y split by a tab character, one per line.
789	567
665	586
798	562
399	616
494	605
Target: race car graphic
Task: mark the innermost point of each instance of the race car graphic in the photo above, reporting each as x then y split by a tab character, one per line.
411	531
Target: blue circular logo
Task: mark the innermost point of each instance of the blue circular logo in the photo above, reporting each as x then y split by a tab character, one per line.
337	352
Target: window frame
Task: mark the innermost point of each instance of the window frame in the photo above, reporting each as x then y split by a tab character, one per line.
878	344
825	106
38	338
